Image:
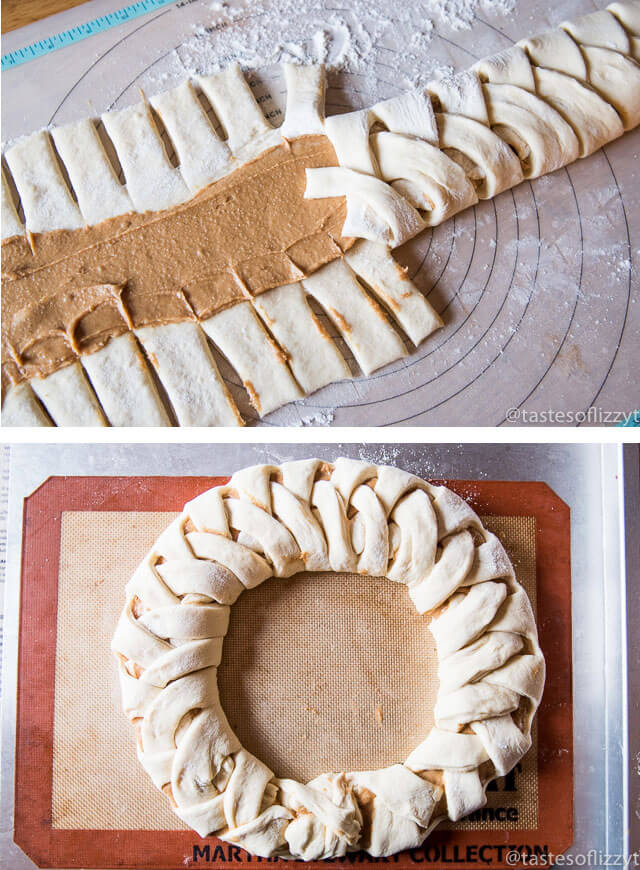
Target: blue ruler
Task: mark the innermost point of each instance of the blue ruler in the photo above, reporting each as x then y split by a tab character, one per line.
82	31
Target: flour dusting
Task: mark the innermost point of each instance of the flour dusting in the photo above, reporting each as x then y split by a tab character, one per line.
352	37
319	418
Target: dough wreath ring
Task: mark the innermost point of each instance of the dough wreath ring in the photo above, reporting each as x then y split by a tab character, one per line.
275	521
404	164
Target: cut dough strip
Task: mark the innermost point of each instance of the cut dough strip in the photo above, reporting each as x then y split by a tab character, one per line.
152	182
238	333
305	100
313	357
119	375
100	194
248	131
294	356
358	318
202	156
180	355
21	408
68	398
45	197
10	223
389	282
374	209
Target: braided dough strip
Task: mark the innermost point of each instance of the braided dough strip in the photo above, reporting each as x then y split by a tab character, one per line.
518	114
272	521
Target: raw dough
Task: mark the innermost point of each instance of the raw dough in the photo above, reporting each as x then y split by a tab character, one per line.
405	163
274	521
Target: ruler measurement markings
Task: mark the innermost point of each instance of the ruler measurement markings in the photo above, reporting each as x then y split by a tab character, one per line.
81	31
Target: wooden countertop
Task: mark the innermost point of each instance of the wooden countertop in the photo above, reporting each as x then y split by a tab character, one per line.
18	13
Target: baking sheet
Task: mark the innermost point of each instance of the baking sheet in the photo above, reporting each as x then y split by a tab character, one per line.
582	476
538	288
83	537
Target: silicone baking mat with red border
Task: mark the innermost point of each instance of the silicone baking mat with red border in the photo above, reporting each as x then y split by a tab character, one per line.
49	847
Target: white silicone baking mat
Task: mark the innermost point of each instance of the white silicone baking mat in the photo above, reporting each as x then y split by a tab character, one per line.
538	288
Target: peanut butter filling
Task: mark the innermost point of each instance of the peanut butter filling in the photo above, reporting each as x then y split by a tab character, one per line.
67	292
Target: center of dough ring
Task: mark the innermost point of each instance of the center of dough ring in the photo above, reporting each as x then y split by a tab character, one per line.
349	516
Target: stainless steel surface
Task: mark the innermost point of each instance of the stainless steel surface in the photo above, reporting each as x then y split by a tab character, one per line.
632	621
590	478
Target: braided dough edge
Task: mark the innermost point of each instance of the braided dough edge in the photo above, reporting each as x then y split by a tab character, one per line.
275	521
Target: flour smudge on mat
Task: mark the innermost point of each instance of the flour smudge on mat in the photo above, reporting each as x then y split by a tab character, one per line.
349	37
